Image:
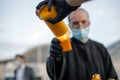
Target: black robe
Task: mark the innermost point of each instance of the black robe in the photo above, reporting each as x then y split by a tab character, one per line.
82	63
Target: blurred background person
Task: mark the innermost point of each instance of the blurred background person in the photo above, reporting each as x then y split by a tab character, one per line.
23	72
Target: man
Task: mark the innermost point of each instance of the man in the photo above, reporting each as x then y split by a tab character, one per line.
22	72
63	7
87	60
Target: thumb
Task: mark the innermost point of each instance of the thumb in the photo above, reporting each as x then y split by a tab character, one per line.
41	4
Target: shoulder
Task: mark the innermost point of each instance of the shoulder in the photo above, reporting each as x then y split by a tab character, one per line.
100	47
97	44
29	71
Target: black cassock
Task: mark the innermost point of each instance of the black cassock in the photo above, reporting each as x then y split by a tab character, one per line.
82	63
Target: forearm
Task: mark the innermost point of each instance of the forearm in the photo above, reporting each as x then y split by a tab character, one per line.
58	66
75	2
54	67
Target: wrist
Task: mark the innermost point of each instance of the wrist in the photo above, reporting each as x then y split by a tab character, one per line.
75	2
70	7
56	56
68	2
59	59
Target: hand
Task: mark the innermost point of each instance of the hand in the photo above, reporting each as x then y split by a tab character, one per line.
55	48
62	8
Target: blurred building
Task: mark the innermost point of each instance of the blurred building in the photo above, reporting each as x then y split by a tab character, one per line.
114	50
35	58
6	69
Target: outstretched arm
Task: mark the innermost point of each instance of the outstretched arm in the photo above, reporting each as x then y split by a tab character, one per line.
56	63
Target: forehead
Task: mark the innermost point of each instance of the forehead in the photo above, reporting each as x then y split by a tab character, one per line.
78	15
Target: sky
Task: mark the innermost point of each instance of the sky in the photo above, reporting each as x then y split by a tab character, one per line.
21	29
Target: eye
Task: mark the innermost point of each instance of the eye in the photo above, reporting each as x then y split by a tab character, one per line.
83	22
75	23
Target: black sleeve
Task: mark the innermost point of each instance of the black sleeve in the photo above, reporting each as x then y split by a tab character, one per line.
110	71
56	68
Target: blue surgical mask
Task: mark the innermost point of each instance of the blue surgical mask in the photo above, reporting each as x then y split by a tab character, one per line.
17	63
80	34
